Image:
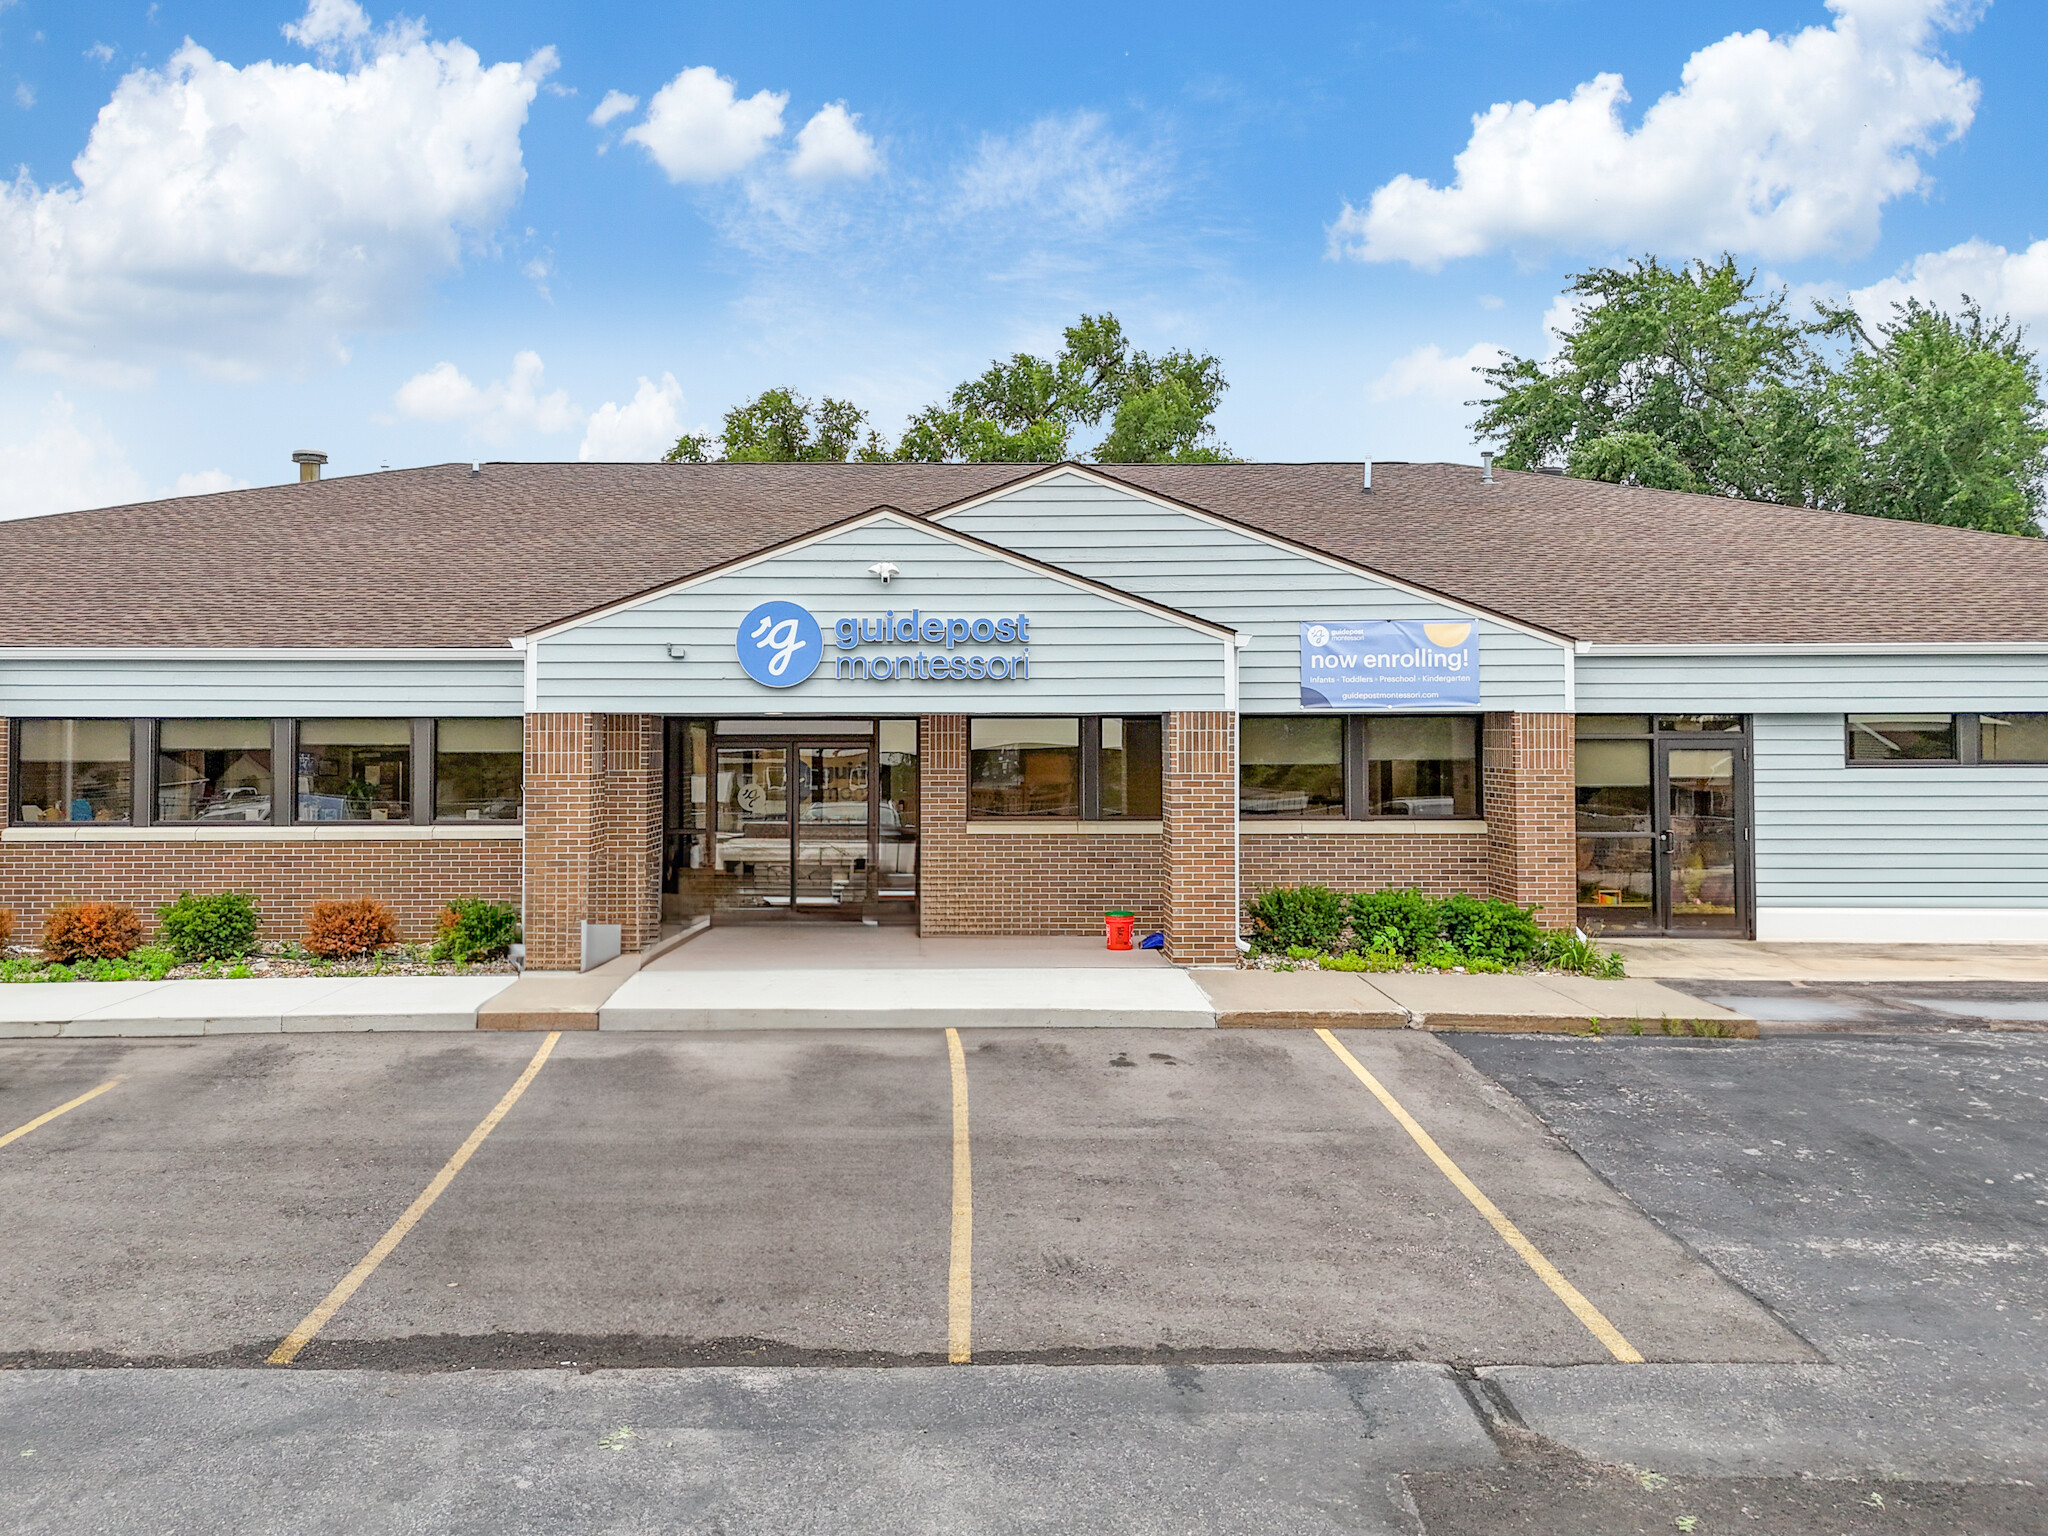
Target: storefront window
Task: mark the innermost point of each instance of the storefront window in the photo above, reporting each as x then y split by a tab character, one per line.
478	767
1024	768
1616	846
896	849
1291	766
213	770
355	770
1422	765
2012	738
75	770
1902	738
1131	780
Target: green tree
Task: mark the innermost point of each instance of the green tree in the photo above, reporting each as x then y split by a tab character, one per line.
1942	419
1684	378
1693	378
1030	409
780	426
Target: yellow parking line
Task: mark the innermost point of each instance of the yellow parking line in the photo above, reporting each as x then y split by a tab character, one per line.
48	1115
960	1280
1595	1321
315	1320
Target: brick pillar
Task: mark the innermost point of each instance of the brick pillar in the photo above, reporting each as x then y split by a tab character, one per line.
1530	817
563	798
1201	837
942	872
626	858
593	833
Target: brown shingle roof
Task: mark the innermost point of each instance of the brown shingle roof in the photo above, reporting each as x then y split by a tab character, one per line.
437	556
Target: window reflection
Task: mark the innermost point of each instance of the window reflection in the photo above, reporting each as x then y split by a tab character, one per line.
355	770
1291	766
213	770
75	770
477	769
1024	768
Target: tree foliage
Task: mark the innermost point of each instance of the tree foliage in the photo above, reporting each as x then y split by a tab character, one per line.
1028	410
1691	378
780	426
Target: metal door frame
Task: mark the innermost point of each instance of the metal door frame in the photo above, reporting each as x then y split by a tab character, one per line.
1662	744
791	744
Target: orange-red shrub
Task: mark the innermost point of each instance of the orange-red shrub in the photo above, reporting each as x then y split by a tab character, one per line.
344	930
91	930
6	925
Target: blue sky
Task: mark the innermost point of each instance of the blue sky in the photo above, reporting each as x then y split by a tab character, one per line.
402	238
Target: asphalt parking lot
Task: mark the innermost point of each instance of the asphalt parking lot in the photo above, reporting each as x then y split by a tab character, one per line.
1209	1274
791	1199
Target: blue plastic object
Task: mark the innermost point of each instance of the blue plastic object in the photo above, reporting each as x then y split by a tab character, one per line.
1153	941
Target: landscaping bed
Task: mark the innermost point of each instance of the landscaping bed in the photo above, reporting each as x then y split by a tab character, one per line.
154	964
1311	927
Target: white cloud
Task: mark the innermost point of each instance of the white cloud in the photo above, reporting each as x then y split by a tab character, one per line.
1429	373
329	25
100	53
24	96
696	129
241	218
641	430
499	411
1069	167
69	461
833	144
2005	282
615	104
1784	147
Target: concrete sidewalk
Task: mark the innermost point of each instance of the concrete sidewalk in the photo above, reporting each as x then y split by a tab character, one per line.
1518	1004
1747	960
259	1005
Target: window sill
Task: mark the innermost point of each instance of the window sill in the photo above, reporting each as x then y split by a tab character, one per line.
325	832
1049	825
1343	828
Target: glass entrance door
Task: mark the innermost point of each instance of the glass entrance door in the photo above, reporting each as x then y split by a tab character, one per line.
752	828
1702	863
834	826
794	830
1663	824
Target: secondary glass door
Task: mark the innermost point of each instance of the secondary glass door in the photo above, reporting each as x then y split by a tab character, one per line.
1663	824
1701	854
834	836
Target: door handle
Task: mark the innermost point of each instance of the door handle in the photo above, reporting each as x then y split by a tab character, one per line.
1664	843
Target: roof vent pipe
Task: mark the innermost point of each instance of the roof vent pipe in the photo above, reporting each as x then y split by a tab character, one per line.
1368	474
476	468
309	462
1486	465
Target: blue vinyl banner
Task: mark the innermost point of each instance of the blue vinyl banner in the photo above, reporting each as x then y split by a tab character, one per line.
1389	665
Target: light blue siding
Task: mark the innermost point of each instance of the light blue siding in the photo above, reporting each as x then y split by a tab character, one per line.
1855	683
1832	836
1235	579
341	686
1088	652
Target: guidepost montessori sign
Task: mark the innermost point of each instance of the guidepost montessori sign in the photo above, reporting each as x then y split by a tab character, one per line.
1389	664
781	644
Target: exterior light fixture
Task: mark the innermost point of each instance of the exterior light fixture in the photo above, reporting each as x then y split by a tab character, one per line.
885	569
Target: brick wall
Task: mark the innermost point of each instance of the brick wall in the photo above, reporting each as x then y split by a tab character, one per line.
1440	863
593	833
1199	848
1528	761
414	877
973	880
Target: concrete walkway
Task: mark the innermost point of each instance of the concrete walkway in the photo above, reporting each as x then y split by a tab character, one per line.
259	1005
1743	960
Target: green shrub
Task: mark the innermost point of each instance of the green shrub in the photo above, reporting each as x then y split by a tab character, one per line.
475	929
221	927
1569	952
1302	916
1442	959
1407	923
1489	929
1351	962
1301	952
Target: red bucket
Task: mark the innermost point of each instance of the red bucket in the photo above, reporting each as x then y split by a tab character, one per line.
1117	927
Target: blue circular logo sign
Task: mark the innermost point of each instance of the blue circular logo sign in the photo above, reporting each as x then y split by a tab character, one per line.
780	644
